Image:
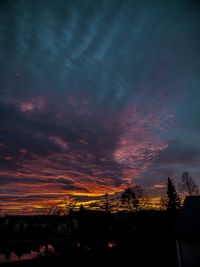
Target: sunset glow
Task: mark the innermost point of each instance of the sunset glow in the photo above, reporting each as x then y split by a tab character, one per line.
96	96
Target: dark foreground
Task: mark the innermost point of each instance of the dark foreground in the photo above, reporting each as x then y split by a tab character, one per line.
139	239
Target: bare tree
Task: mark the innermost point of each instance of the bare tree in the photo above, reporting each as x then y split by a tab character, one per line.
67	205
145	202
62	207
95	205
163	201
104	204
52	208
131	198
187	185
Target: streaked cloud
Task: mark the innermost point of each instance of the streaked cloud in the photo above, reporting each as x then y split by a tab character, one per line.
95	95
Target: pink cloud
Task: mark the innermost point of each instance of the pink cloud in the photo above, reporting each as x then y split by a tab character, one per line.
59	142
159	186
140	142
114	147
34	104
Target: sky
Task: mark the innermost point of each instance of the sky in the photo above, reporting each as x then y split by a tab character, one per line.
96	95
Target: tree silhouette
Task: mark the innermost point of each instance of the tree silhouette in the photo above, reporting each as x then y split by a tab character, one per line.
173	200
107	206
67	205
81	208
52	208
187	185
62	207
163	201
131	197
104	204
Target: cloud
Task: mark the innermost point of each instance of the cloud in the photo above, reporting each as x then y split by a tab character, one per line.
171	162
78	148
92	92
178	153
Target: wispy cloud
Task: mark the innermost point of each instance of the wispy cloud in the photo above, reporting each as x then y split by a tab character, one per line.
95	95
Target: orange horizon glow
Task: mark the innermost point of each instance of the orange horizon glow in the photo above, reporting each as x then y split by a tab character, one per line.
88	166
38	207
96	96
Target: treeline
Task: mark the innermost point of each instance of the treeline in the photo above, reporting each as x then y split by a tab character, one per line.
132	199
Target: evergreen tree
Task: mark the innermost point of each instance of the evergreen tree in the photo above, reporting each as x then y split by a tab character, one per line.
173	200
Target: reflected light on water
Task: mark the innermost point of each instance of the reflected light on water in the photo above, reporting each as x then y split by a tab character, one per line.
43	251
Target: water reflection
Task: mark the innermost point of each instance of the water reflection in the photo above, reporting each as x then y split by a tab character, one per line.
20	253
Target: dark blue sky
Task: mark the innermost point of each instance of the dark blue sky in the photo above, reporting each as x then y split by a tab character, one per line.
96	95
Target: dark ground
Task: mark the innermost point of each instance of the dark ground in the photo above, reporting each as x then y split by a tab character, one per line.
140	239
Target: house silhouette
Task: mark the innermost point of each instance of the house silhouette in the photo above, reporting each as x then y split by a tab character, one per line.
187	233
